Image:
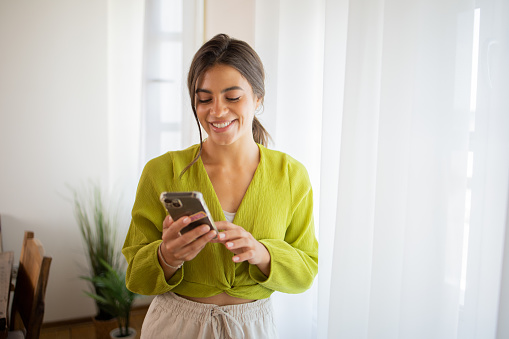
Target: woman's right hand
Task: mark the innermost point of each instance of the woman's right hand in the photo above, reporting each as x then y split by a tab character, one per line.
176	247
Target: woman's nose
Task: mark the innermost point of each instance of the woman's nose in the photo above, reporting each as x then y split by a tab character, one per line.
219	108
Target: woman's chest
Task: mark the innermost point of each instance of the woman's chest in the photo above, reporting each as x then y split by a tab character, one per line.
230	186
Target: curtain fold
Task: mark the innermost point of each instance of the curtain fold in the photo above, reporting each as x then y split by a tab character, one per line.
335	32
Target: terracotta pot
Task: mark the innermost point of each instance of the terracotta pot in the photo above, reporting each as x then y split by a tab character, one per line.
114	334
104	327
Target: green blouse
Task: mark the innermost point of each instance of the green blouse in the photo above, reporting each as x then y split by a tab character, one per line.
277	210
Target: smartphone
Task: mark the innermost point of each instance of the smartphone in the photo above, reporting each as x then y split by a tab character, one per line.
191	204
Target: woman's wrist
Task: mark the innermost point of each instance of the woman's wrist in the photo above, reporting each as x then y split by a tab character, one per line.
264	265
160	253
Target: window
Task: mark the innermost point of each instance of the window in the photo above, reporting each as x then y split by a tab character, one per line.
169	40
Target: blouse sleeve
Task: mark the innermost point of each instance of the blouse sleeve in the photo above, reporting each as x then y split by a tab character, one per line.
144	274
294	260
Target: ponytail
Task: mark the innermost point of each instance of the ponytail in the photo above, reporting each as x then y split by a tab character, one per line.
260	134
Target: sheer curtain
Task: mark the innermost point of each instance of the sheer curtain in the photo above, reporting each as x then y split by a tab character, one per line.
289	40
399	110
413	179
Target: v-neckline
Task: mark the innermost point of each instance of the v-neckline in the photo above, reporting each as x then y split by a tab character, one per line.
215	199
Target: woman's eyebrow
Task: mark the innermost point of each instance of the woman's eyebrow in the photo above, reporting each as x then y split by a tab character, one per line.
233	88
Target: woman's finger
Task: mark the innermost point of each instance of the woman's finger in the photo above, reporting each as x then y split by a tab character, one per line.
175	228
197	236
191	249
244	256
232	232
224	225
238	243
167	222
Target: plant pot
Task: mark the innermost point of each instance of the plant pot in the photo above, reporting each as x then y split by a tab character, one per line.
104	327
114	334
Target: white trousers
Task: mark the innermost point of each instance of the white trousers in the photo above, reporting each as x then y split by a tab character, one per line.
171	316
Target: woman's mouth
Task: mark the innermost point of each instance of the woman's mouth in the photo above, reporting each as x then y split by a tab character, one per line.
221	125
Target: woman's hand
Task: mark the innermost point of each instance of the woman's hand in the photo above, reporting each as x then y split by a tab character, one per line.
243	245
177	248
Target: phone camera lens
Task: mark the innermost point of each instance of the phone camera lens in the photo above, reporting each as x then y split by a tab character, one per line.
176	203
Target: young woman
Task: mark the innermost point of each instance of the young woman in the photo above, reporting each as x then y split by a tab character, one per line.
261	201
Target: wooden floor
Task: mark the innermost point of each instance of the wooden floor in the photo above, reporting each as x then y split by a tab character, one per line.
86	329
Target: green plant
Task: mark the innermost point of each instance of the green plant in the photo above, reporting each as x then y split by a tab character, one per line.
99	238
115	298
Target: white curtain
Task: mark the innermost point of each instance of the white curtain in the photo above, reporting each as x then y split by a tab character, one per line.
399	109
289	40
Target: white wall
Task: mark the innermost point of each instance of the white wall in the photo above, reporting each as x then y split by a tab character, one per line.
68	113
53	132
69	108
233	17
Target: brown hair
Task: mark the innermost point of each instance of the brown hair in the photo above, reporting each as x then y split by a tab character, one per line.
223	50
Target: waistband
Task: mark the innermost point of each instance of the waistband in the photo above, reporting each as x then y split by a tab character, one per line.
228	315
200	311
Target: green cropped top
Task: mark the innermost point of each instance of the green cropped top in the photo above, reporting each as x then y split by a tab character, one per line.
277	210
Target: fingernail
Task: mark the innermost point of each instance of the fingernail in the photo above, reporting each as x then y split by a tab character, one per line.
186	220
229	244
221	235
235	258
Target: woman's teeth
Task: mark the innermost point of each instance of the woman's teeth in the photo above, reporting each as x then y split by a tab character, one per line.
221	125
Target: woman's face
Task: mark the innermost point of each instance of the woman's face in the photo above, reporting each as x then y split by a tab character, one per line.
225	105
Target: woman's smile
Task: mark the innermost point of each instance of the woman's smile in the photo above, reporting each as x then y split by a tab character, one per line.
221	126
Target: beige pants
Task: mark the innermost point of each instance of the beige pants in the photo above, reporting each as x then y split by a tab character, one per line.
171	316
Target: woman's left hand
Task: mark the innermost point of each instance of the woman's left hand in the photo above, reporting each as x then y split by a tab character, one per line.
243	245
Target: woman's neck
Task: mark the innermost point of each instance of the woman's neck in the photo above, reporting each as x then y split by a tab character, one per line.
236	154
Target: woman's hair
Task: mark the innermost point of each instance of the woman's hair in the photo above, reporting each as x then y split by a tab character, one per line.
223	50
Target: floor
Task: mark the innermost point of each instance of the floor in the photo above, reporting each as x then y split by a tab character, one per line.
86	330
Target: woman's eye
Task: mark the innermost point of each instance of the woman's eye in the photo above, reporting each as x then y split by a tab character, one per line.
233	99
204	101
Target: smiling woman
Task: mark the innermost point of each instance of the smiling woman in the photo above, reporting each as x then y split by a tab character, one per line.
219	285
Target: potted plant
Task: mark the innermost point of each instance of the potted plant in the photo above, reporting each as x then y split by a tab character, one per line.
97	229
115	298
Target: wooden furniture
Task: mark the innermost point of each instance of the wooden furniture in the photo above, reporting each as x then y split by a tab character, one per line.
28	300
1	241
6	260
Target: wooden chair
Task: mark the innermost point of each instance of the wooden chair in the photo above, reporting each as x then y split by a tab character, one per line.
1	240
28	301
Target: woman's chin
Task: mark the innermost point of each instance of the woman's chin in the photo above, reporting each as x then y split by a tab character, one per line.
220	140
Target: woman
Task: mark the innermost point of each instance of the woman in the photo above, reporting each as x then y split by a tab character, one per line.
261	201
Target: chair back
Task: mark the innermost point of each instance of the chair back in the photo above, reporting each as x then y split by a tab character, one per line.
1	240
28	301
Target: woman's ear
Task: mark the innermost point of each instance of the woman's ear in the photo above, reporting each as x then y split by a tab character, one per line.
258	103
